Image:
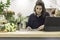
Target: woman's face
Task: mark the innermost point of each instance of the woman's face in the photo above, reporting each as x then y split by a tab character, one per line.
38	9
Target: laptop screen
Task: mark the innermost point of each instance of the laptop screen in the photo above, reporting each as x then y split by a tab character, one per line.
52	24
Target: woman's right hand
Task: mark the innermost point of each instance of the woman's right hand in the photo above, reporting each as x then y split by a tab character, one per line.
29	28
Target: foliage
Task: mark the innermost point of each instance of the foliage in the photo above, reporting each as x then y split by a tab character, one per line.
9	27
4	5
9	16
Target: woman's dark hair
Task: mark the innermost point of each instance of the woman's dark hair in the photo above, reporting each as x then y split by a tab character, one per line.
43	7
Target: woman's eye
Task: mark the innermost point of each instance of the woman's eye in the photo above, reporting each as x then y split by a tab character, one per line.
37	8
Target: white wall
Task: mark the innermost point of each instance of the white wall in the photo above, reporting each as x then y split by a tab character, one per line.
24	7
50	3
58	4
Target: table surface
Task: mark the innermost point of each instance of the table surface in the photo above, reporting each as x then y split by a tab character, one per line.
29	34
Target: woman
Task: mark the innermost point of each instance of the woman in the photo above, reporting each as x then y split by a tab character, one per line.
37	19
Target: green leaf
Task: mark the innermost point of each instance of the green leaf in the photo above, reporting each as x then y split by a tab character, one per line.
8	2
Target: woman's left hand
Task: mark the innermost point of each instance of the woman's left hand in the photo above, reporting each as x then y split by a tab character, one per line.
41	27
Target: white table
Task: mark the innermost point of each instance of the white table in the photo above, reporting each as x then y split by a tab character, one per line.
29	34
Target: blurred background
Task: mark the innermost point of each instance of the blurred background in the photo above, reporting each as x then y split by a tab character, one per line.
25	7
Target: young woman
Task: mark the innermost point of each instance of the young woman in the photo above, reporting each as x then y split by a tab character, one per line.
36	20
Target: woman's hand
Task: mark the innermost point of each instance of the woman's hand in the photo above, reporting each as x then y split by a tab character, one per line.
29	28
40	28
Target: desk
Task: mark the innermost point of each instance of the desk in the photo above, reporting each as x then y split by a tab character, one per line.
30	34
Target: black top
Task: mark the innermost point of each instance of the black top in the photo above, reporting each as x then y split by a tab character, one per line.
34	21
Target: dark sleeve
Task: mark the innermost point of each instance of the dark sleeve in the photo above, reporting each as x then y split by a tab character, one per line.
29	22
47	14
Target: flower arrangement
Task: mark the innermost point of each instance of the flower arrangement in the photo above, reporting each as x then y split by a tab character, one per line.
21	21
9	15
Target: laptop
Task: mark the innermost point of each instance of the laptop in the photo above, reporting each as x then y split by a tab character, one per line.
52	24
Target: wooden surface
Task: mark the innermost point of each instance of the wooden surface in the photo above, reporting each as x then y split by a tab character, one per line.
29	34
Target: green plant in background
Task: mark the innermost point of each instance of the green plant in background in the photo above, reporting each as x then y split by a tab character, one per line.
9	16
10	20
10	27
21	18
4	5
21	21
